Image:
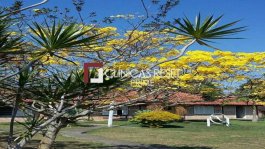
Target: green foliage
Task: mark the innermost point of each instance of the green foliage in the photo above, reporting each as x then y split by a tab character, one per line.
205	31
9	44
71	85
60	36
207	89
253	89
210	92
156	118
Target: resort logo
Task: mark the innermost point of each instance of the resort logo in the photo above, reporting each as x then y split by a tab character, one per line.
86	73
138	76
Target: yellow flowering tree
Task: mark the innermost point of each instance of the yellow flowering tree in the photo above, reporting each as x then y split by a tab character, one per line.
220	68
61	47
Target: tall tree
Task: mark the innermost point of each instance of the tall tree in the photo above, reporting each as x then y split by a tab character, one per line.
253	91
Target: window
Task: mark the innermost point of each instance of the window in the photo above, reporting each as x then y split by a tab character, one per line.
119	112
125	110
218	109
190	110
203	110
106	112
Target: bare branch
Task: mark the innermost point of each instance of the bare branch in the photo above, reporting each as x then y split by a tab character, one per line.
31	6
182	52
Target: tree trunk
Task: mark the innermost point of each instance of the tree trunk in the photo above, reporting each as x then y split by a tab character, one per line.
13	116
11	125
255	116
49	122
50	136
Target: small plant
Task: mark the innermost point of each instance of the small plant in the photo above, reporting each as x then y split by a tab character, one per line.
156	118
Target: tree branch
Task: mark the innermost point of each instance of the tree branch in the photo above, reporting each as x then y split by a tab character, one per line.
31	6
182	52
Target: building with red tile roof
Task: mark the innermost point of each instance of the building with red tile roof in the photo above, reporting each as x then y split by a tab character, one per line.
190	106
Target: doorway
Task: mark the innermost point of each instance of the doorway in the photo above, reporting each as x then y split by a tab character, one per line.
240	111
119	112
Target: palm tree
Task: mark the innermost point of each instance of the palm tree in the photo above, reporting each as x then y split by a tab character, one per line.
50	40
9	45
202	32
60	98
53	39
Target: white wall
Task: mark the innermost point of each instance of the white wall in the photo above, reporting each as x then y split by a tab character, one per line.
229	111
248	112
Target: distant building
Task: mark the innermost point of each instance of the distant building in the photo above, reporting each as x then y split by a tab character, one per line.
189	106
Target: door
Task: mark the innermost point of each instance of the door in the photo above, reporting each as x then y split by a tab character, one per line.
240	111
119	112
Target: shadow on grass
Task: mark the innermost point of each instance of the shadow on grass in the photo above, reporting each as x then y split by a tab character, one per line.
154	146
80	145
164	126
93	145
66	145
172	126
84	125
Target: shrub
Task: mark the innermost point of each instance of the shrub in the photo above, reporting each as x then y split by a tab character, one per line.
156	118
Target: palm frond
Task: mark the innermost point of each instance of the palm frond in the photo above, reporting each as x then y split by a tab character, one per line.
8	44
205	31
55	37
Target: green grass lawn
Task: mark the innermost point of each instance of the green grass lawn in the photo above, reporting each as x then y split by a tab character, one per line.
62	142
189	135
241	134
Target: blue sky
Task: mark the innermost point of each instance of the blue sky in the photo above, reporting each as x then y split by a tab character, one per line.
251	12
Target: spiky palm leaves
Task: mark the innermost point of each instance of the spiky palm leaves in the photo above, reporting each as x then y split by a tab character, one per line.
205	31
9	45
201	32
54	38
